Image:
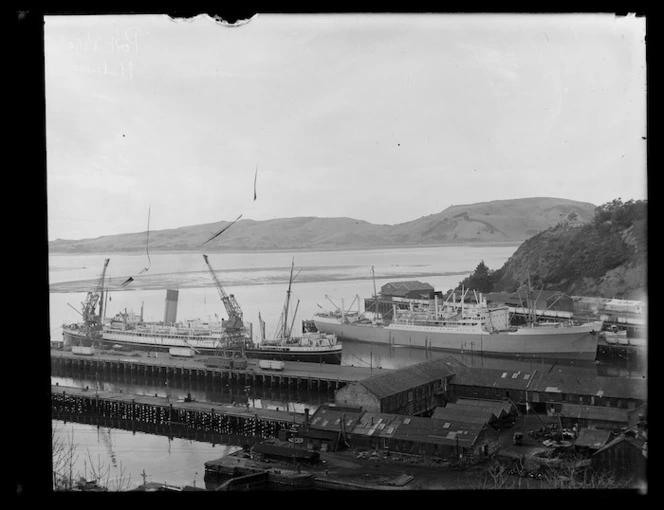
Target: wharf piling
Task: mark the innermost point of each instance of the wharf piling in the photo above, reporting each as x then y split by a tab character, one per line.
161	416
296	375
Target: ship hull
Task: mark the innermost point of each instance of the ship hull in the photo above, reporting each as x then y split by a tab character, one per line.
330	356
315	354
570	342
75	337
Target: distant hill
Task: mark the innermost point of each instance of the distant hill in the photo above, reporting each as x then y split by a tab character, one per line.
606	257
500	221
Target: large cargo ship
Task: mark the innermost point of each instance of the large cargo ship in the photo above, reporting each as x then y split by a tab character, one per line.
467	327
228	338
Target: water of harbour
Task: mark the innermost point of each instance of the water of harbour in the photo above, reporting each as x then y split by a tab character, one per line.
259	282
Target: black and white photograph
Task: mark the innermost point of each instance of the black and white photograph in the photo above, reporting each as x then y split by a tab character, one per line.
347	251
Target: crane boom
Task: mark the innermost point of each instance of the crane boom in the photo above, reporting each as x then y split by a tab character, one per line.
232	307
94	297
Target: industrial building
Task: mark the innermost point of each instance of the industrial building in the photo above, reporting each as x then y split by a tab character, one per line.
604	418
413	390
403	295
590	440
565	387
626	457
491	412
541	300
424	436
328	428
490	384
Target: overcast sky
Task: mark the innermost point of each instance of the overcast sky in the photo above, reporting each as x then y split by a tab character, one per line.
383	118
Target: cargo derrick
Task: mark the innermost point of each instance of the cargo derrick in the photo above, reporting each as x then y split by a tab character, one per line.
233	331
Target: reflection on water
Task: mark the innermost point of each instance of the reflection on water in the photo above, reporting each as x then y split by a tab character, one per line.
260	397
384	356
125	459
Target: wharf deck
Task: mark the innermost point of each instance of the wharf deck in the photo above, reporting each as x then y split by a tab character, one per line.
294	372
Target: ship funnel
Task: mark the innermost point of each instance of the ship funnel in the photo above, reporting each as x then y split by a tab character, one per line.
171	308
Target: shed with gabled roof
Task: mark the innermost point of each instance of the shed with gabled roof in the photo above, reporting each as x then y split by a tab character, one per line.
411	390
624	457
468	414
593	416
592	439
410	289
566	385
491	384
501	408
423	436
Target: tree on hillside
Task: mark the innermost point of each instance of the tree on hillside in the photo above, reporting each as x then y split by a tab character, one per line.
481	280
621	215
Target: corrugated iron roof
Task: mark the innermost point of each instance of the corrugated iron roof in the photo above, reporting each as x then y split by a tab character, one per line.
329	418
417	429
498	407
635	442
452	415
403	379
571	383
592	438
493	378
587	412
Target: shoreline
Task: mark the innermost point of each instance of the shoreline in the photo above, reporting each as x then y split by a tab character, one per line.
140	251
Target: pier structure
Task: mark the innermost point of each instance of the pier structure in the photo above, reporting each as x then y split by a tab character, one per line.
310	376
161	415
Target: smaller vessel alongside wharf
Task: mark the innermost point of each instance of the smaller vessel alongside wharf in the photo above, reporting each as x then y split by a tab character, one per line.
311	346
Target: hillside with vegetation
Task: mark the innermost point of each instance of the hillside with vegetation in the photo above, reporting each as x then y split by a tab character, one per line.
606	257
500	221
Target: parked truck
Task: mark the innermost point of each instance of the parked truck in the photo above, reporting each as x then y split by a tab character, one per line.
221	362
181	352
82	351
217	362
267	364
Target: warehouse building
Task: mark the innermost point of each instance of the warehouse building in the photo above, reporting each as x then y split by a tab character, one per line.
402	295
468	442
503	409
566	387
414	390
491	412
590	440
328	428
491	384
583	416
626	457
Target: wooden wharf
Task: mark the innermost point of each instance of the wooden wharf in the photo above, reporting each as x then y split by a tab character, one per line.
161	415
311	376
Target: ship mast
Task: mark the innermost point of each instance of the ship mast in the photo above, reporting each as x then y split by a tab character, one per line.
373	276
531	311
288	294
